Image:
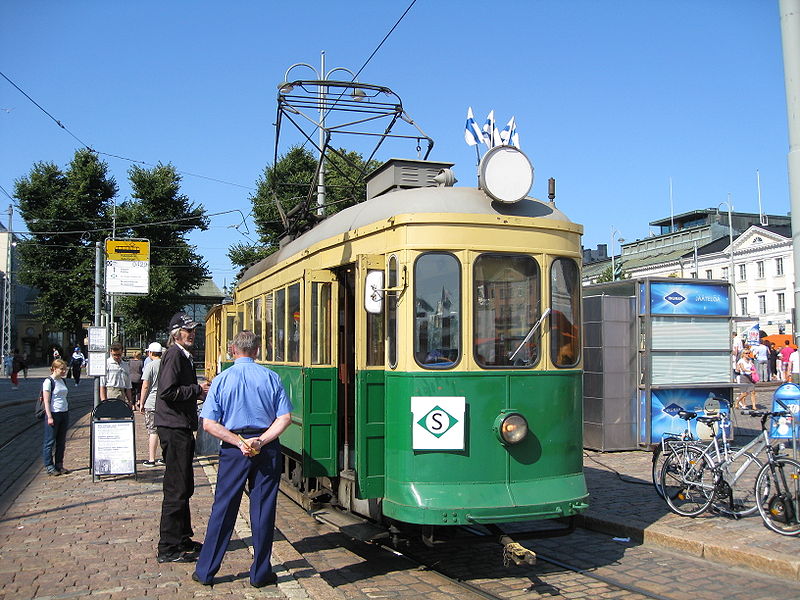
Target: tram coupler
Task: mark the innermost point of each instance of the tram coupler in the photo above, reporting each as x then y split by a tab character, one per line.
516	553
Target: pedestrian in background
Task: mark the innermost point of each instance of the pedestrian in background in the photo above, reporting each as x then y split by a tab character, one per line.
772	361
147	402
761	357
785	354
16	367
76	364
247	408
56	410
176	422
135	367
116	384
746	366
794	366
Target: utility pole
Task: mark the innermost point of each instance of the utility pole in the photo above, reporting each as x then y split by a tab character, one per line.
8	304
790	36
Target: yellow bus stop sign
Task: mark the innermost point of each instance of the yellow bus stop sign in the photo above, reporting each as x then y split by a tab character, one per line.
128	250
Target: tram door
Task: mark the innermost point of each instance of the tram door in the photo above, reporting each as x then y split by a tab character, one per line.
346	365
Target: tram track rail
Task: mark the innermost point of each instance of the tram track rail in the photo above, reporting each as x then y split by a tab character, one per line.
508	578
538	579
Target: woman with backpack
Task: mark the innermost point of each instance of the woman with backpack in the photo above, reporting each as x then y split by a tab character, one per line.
56	418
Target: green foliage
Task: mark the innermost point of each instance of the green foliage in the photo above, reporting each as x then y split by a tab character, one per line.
66	212
291	182
158	212
608	275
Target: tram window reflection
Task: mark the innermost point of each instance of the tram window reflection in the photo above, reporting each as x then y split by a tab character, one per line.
320	323
437	310
507	305
269	326
565	342
280	325
293	324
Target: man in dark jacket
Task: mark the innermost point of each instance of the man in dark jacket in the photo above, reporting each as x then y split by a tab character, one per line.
176	422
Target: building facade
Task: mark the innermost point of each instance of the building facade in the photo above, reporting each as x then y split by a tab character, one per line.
697	244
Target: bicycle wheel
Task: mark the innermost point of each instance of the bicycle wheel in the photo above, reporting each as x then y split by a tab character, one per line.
687	479
778	492
659	456
736	489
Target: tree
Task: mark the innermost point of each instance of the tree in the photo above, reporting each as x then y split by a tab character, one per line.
291	183
66	212
158	212
608	275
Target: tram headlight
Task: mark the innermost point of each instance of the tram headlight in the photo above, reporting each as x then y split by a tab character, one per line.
510	427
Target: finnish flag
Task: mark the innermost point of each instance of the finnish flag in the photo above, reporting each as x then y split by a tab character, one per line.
472	133
509	136
491	137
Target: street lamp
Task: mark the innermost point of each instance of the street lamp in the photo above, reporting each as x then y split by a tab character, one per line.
611	248
731	276
322	76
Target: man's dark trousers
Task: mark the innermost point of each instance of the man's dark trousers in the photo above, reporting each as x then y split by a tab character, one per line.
263	472
177	446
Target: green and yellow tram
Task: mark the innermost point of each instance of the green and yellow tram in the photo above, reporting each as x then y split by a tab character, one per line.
429	338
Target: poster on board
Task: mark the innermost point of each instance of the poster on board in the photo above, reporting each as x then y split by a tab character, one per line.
113	451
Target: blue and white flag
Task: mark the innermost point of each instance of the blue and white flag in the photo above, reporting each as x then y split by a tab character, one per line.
491	137
472	133
509	136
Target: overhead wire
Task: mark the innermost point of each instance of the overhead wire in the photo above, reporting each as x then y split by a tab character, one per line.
88	147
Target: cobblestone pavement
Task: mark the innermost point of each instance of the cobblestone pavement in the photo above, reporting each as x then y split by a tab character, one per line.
622	502
67	537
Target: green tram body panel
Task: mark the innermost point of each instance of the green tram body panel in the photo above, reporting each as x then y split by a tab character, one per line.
541	477
487	482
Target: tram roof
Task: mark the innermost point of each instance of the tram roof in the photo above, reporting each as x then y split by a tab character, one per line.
456	200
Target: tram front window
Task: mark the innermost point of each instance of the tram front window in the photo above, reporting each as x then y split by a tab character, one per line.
437	310
507	306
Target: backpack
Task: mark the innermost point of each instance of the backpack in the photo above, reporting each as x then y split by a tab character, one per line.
39	411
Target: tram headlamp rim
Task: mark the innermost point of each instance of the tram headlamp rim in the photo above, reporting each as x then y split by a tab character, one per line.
511	427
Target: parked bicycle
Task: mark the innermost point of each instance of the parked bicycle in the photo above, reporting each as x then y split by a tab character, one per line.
696	475
778	482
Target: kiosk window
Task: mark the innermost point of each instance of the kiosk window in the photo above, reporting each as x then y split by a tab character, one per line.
437	310
391	312
293	324
507	306
565	318
320	323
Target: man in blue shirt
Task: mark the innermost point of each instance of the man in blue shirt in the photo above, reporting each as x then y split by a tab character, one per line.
247	408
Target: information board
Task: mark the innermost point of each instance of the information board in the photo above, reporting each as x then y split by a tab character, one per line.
127	266
98	339
97	364
113	450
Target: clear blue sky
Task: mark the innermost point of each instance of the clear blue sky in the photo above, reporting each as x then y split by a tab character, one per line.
611	98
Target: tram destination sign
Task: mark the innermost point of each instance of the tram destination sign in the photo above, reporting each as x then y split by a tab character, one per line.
127	267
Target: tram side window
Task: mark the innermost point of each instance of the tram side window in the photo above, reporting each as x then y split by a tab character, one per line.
293	333
258	318
320	323
565	318
269	328
391	312
230	323
280	325
248	314
437	310
507	307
